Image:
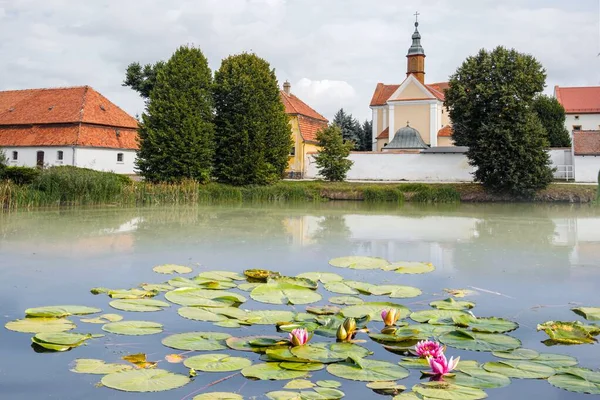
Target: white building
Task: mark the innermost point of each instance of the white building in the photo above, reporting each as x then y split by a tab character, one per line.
67	126
582	106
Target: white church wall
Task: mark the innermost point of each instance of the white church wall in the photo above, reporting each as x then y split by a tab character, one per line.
106	160
27	156
586	168
588	122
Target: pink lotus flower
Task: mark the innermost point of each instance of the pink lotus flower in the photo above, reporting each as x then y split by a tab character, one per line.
427	348
299	337
440	366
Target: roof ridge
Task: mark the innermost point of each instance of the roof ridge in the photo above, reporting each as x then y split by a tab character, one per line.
45	89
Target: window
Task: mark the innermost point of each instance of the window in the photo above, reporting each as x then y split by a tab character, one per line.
293	151
119	157
15	155
576	127
59	155
577	117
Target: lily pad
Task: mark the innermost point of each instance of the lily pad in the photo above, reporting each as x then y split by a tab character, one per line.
260	275
97	367
396	291
59	311
145	380
555	360
324	310
567	333
103	319
329	352
224	276
589	313
459	293
296	281
283	353
250	343
301	366
169	269
60	341
368	370
271	371
217	363
133	328
197	297
218	396
517	354
414	363
156	287
578	380
357	262
299	384
411	268
520	369
448	391
346	300
451	304
486	325
476	341
197	341
315	394
479	378
269	317
389	388
284	293
139	305
323	277
131	293
212	314
248	287
373	310
340	287
437	316
38	325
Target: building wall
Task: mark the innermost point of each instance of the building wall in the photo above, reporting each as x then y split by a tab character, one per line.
445	116
381	124
27	156
381	143
295	162
106	160
586	168
417	114
412	92
444	141
588	122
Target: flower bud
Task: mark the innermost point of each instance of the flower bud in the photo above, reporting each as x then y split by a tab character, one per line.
342	334
350	325
390	317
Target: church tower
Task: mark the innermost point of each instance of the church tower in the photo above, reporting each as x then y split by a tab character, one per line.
416	56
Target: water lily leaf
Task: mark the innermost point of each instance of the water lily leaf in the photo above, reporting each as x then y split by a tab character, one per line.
459	293
197	341
301	366
323	310
299	384
140	361
174	358
479	378
401	334
589	313
225	276
414	363
60	341
144	380
357	262
249	343
568	333
290	326
451	304
448	391
284	293
218	396
59	311
373	310
97	367
156	287
133	328
520	369
408	396
389	388
476	341
323	277
305	317
329	393
212	314
103	319
329	384
304	282
318	393
578	380
346	300
169	269
340	287
486	325
410	267
269	317
248	287
517	354
38	325
427	330
368	370
181	282
555	360
230	323
131	293
437	316
396	291
271	371
283	353
139	305
197	297
329	352
260	275
217	363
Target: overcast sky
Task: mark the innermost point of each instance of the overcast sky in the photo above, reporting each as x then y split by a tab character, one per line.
332	51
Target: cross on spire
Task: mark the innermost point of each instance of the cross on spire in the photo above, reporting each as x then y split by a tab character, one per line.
417	16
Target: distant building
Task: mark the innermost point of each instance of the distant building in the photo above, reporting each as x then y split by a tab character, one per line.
305	123
586	160
414	102
582	106
66	126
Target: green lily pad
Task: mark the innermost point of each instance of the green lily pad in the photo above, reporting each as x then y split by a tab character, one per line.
459	293
436	316
251	343
323	310
555	360
486	325
197	341
479	378
218	396
451	304
589	313
269	317
346	300
305	395
295	281
357	262
517	354
448	391
60	341
396	291
156	287
578	380
212	314
476	341
411	268
212	284
340	287
389	388
97	367
169	269
271	371
368	370
230	323
299	384
567	333
130	293
283	353
329	384
197	297
408	396
145	380
290	326
301	366
133	328
373	310
139	305
224	276
38	325
520	369
217	363
329	352
323	277
248	287
260	275
59	311
103	319
284	293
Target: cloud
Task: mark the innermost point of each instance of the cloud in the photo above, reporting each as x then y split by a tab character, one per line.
326	96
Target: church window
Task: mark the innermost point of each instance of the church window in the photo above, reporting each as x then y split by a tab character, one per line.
576	127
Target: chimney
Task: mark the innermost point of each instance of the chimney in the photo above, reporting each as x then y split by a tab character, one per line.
287	87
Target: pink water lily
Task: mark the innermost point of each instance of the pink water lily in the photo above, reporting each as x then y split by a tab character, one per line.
299	337
440	366
428	348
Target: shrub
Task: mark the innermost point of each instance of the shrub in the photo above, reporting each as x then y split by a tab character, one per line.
20	175
332	159
376	194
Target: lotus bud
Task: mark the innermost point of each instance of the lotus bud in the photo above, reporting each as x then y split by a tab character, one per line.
350	325
342	334
299	337
390	317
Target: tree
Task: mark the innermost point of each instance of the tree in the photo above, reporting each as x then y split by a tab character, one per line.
552	115
254	137
367	136
176	134
490	101
332	160
3	162
351	129
142	79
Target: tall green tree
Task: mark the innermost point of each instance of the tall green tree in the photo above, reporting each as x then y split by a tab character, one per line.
142	79
351	128
254	137
552	115
367	136
176	134
490	101
332	159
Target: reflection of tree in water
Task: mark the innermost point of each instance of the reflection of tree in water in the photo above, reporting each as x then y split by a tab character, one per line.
334	233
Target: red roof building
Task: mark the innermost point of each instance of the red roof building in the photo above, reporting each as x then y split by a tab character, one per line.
582	106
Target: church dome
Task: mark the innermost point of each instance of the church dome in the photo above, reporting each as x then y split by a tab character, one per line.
407	138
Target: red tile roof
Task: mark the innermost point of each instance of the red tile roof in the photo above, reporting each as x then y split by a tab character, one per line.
309	127
385	134
587	143
76	116
295	106
384	92
446	131
579	100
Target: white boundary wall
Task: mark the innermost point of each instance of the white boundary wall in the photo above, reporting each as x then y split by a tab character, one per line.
586	168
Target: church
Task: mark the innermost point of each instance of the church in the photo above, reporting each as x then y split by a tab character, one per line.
411	116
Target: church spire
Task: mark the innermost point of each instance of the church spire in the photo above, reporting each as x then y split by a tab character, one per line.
416	55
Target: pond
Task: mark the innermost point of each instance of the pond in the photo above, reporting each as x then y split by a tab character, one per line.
524	263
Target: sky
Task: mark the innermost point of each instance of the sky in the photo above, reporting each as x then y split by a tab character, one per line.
333	52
